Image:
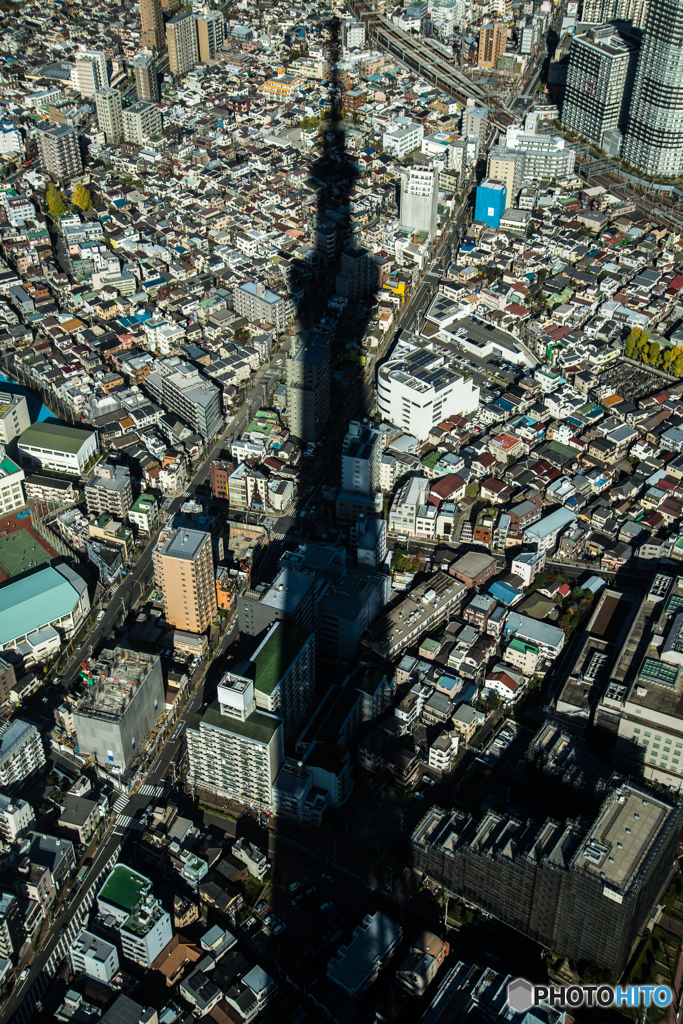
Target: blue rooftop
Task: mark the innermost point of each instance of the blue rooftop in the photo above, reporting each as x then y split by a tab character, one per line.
34	602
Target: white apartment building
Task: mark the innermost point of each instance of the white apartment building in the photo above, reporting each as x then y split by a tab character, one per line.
236	751
259	304
410	497
416	392
21	752
91	955
361	457
16	818
90	72
419	199
11	489
402	139
108	103
144	926
140	122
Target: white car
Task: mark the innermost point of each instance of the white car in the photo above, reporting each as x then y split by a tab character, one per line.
24	974
100	615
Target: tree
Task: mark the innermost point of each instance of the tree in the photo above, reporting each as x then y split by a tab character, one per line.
82	198
654	353
10	168
56	203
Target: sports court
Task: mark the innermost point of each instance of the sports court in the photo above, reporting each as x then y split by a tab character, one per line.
20	547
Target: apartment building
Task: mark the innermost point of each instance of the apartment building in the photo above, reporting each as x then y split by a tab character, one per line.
152	25
11	489
109	490
11	926
419	199
256	302
21	752
402	139
141	121
492	42
307	378
146	78
16	818
209	35
417	391
90	72
181	388
181	41
235	750
358	273
602	66
361	455
184	573
94	956
59	152
108	103
14	416
145	928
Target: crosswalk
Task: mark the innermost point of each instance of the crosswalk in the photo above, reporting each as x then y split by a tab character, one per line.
120	802
125	823
155	790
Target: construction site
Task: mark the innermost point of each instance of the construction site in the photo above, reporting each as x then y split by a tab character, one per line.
122	703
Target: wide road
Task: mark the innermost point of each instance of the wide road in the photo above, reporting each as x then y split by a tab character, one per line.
127	810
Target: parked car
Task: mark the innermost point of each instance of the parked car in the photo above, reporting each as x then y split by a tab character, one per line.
326	905
280	928
293	886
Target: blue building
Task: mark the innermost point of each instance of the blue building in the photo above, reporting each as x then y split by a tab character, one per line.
491	202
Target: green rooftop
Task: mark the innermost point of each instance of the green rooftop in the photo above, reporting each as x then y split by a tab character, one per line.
144	503
522	646
7	467
276	654
258	727
56	437
123	887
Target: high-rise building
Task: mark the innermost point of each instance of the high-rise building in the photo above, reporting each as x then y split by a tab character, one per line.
358	273
183	571
109	490
16	818
152	25
361	457
507	166
654	136
181	39
11	931
209	35
584	892
235	750
21	752
146	79
59	153
492	41
282	669
602	64
419	199
110	113
308	386
90	72
141	121
416	394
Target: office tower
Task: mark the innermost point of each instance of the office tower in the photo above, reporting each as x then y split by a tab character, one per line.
126	901
236	750
181	39
109	490
209	35
109	113
282	669
152	25
490	203
120	707
141	121
419	199
59	152
599	81
358	273
90	72
183	571
146	80
492	41
654	135
308	386
361	456
583	892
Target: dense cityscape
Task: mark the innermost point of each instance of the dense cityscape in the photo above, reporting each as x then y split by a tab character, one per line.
341	511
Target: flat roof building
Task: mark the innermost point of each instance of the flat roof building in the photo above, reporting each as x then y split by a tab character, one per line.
144	926
53	599
14	417
124	701
184	572
424	608
21	752
356	966
57	447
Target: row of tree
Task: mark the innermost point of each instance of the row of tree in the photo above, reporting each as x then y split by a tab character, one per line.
638	346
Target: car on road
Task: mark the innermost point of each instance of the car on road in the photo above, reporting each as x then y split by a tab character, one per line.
311	891
293	886
24	974
326	905
280	928
328	878
100	615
